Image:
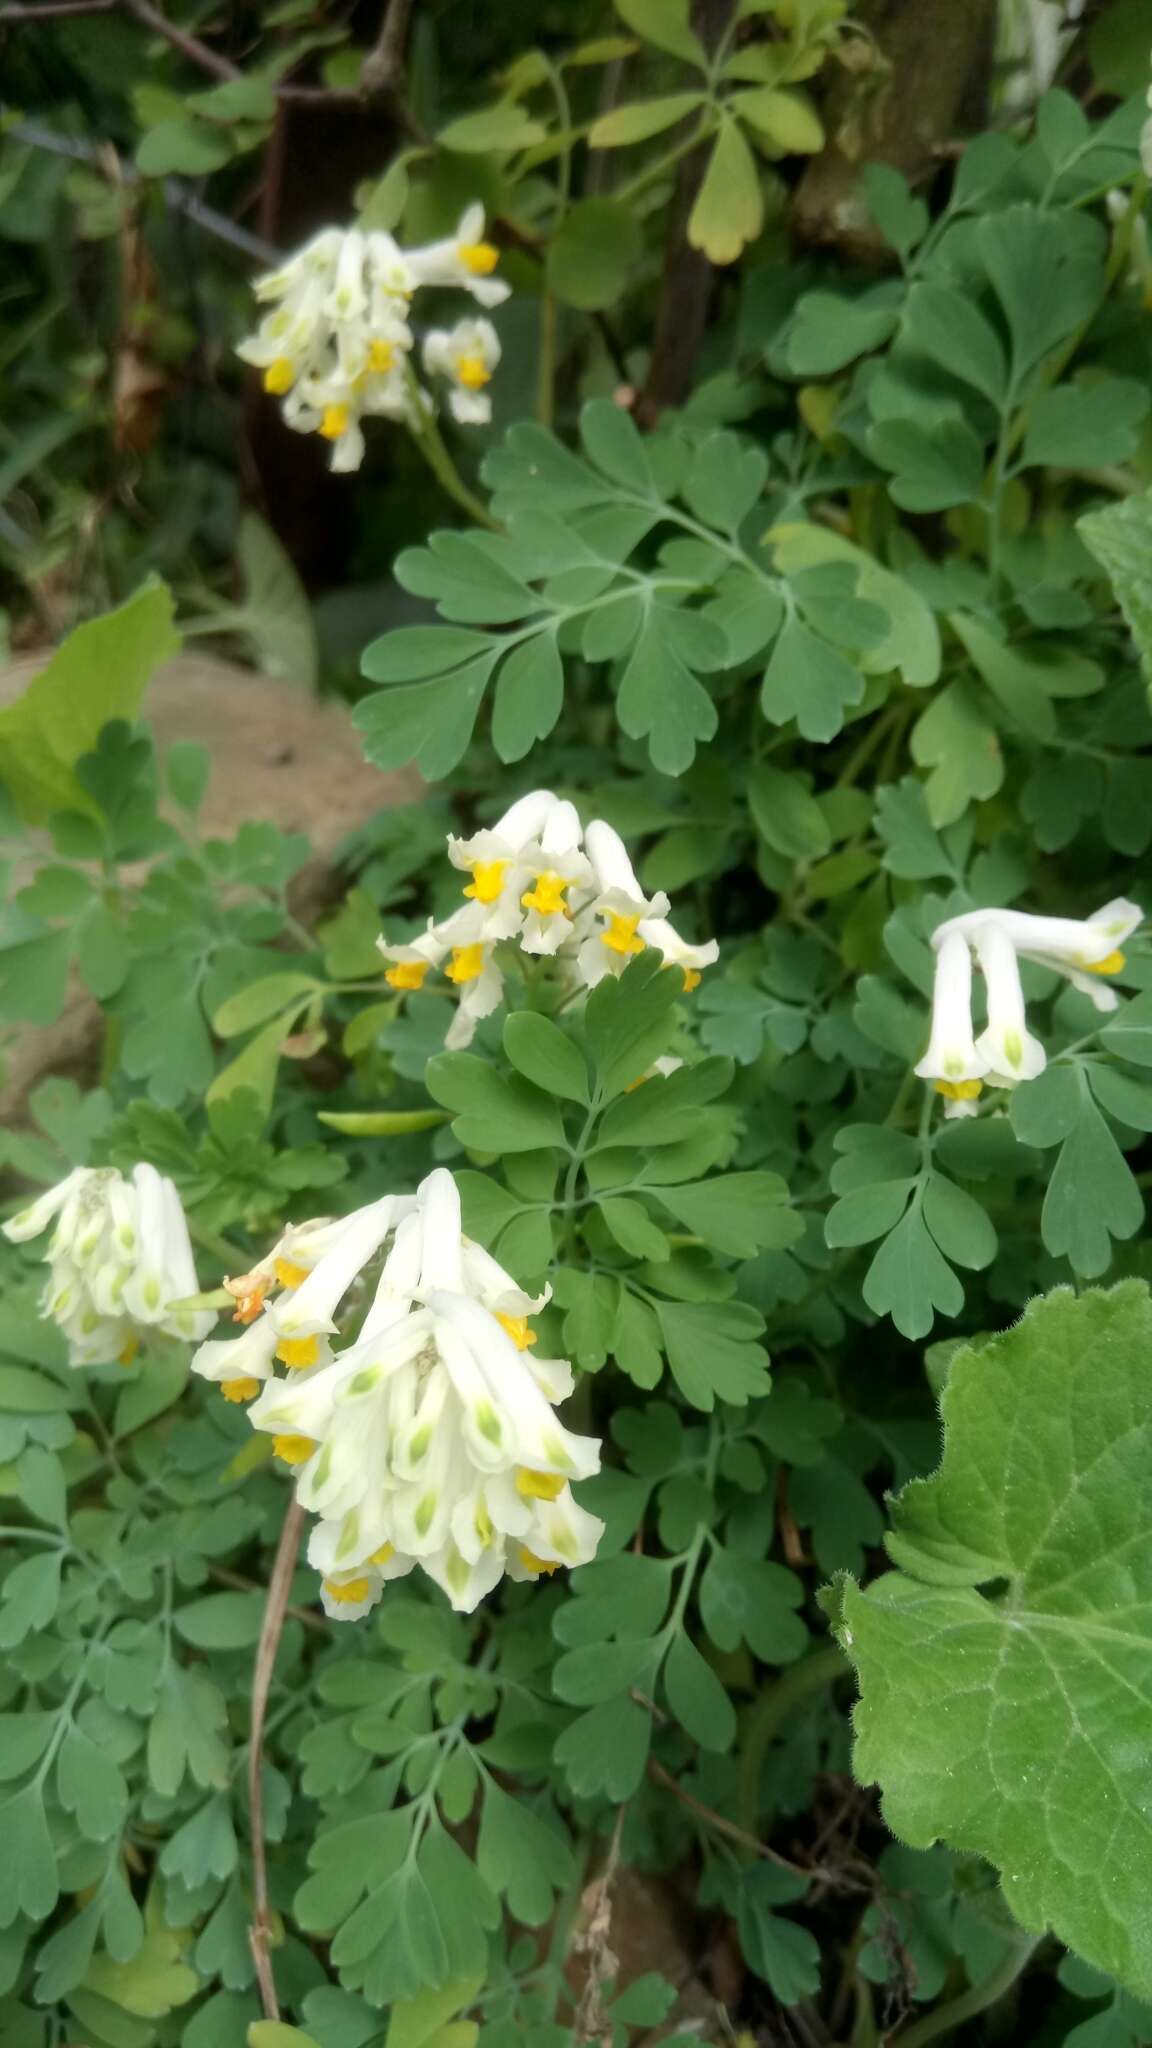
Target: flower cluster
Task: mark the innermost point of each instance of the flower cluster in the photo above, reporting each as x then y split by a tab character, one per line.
540	880
430	1439
120	1261
1005	1052
337	344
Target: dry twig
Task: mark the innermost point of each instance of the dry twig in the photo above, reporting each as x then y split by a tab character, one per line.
270	1632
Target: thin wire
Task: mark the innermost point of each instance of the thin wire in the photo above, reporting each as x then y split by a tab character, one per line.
177	195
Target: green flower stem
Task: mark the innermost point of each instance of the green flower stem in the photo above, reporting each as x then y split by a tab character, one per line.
232	1259
946	2018
429	441
626	193
769	1714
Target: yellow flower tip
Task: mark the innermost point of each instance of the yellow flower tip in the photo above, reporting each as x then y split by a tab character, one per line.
280	376
517	1329
334	422
637	1083
547	895
297	1352
538	1485
381	1556
129	1352
959	1091
289	1274
381	356
487	880
620	936
467	963
480	258
248	1291
350	1593
472	372
692	979
532	1563
407	974
1112	965
293	1450
240	1389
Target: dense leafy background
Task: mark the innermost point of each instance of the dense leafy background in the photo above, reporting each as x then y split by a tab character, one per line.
855	638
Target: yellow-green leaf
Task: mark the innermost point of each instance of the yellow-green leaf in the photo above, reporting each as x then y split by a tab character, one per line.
729	209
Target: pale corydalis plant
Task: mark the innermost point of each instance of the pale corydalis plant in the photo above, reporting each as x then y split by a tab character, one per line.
542	882
120	1262
337	346
429	1439
959	1062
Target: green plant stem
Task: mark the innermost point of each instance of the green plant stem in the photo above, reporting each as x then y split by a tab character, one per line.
428	441
768	1716
946	2018
234	1260
625	194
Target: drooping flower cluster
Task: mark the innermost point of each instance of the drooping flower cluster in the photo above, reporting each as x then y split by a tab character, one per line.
541	881
119	1259
431	1438
337	344
1005	1052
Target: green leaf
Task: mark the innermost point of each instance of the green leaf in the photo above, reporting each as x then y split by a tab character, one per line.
272	996
221	1621
786	120
539	1050
1092	1195
786	815
1084	426
521	1857
1129	1032
28	1880
605	1750
97	675
429	723
827	331
634	1231
932	470
910	1280
696	1696
274	616
1048	271
1006	1721
184	145
660	699
810	681
1120	537
503	127
529	696
953	740
945	325
665	23
738	1213
493	1113
644	118
712	1351
591	257
1016	682
729	208
420	2022
628	1023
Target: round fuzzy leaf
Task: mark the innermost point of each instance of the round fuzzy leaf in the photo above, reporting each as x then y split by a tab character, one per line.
1006	1667
589	261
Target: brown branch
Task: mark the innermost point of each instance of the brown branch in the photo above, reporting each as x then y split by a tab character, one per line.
382	72
54	10
813	1872
270	1632
188	45
594	1941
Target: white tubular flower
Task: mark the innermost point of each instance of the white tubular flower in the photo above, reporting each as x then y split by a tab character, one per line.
119	1258
466	356
558	867
620	904
308	1311
433	1438
952	1060
464	259
1006	1046
656	931
498	862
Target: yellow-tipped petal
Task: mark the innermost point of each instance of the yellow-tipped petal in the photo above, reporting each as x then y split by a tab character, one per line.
350	1593
532	1563
240	1389
467	963
298	1352
290	1275
293	1450
480	258
538	1485
487	880
517	1329
407	974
